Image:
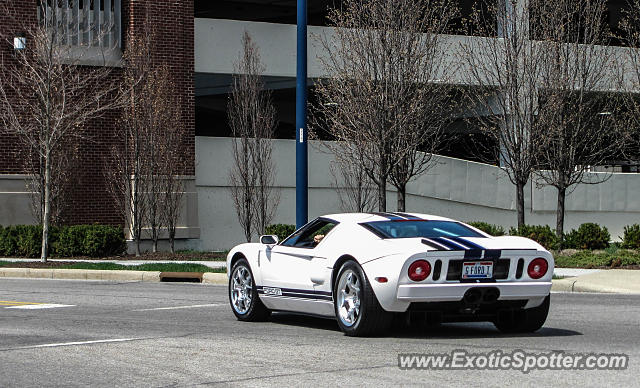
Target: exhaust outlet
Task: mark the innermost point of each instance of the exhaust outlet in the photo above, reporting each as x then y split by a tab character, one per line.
491	295
472	296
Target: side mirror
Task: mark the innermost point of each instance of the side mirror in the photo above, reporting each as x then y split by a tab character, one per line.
268	239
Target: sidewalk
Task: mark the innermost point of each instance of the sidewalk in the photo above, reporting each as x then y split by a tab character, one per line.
619	281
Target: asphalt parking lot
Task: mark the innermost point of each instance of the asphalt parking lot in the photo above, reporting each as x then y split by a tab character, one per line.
82	333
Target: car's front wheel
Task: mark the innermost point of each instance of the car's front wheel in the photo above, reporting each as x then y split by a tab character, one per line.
357	309
528	321
243	296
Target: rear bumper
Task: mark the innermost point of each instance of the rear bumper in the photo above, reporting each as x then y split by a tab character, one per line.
444	285
401	297
455	291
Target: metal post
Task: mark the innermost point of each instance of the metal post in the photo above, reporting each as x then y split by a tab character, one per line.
302	178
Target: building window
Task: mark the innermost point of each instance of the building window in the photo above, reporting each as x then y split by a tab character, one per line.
83	23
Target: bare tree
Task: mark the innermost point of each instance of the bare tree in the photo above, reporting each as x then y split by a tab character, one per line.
355	190
630	71
170	152
383	60
162	151
504	72
173	188
575	110
147	164
47	98
266	198
130	163
252	120
62	181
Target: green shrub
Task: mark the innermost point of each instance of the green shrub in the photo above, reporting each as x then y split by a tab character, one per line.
539	233
613	248
29	240
9	241
85	240
69	242
281	230
624	257
631	238
584	259
588	259
103	240
587	236
494	230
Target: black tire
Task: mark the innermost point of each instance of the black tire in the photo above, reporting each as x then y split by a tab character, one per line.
527	321
255	310
372	318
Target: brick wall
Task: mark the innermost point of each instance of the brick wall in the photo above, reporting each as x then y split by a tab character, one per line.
11	152
173	20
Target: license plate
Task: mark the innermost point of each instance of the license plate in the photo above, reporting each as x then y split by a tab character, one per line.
477	270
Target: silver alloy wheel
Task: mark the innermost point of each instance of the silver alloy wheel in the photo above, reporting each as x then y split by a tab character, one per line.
241	287
349	296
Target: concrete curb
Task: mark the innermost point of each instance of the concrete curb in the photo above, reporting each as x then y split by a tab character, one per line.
563	285
80	274
89	274
610	281
214	278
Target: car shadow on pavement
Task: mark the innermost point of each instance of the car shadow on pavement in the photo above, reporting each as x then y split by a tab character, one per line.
301	320
443	331
471	330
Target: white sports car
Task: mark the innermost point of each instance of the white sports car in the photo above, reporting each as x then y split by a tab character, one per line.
363	268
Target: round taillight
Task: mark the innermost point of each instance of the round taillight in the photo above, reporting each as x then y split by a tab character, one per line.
419	270
537	268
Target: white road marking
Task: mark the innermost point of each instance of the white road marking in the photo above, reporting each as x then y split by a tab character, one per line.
78	343
40	306
183	307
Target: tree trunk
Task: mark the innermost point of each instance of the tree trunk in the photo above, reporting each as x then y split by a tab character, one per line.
562	193
520	203
47	210
172	240
382	195
155	242
401	197
137	238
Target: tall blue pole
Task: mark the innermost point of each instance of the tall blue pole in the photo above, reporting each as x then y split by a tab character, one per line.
302	178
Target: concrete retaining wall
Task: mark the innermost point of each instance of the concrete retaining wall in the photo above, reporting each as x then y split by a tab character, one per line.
453	188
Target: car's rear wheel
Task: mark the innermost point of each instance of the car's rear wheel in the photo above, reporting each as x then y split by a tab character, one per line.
357	309
528	321
243	295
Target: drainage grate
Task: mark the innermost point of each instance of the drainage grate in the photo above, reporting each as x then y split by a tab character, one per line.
185	277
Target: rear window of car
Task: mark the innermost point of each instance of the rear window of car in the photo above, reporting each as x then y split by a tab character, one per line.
419	228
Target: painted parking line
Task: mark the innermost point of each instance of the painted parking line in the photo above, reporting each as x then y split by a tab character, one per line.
55	345
193	306
15	303
39	306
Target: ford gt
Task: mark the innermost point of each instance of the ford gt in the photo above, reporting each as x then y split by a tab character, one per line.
365	268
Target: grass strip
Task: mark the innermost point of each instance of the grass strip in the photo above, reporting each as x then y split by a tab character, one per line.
162	267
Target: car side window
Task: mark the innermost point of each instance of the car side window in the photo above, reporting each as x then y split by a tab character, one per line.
311	235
